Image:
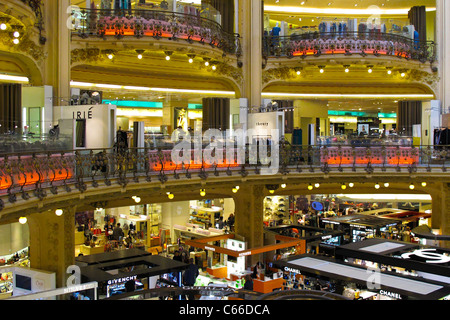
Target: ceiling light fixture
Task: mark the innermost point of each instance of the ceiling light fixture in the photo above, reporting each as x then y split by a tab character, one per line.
343	186
170	195
411	186
22	220
3	26
310	187
168	54
321	69
351	96
191	58
59	212
386	184
140	53
351	184
202	192
424	184
377	186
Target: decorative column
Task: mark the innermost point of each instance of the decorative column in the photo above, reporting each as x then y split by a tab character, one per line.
52	242
249	211
443	50
440	205
57	71
251	29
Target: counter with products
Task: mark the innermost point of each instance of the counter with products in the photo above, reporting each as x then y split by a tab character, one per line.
422	261
125	269
358	227
336	276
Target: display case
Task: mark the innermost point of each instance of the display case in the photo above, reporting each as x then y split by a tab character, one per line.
205	216
276	211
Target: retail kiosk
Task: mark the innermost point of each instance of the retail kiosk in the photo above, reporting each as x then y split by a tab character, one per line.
113	269
313	239
408	258
234	267
337	276
358	227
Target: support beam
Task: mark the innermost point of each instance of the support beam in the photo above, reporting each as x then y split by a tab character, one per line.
52	242
249	204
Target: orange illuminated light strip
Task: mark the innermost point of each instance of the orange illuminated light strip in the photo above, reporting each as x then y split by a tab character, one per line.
193	165
32	178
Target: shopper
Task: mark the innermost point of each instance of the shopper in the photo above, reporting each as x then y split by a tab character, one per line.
248	285
177	256
191	273
220	224
230	221
190	276
118	233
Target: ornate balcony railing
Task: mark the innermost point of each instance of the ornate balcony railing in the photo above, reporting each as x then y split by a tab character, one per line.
153	23
348	43
41	172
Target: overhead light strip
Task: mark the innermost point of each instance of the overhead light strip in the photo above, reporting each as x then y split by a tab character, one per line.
8	77
334	11
133	88
350	96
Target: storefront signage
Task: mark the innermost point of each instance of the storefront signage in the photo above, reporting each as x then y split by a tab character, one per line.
391	294
262	124
317	206
120	280
430	254
247	253
83	114
332	222
210	248
358	226
326	237
293	270
80	287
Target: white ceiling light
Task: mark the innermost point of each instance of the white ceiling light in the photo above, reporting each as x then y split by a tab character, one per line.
167	90
338	95
338	11
8	77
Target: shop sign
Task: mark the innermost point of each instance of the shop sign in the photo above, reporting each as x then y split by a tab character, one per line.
358	226
120	280
430	254
247	253
317	206
83	114
390	294
210	248
332	222
326	237
293	270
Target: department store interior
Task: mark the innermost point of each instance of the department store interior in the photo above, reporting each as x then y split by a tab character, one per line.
318	223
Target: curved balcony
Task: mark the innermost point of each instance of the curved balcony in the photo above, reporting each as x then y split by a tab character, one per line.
315	44
157	24
33	175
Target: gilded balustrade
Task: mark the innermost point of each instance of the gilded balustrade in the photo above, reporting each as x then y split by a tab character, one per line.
315	44
39	173
157	24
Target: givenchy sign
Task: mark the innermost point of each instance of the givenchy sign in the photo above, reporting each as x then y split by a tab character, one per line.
120	280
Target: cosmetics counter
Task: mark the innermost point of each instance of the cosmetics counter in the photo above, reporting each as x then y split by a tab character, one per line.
355	281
